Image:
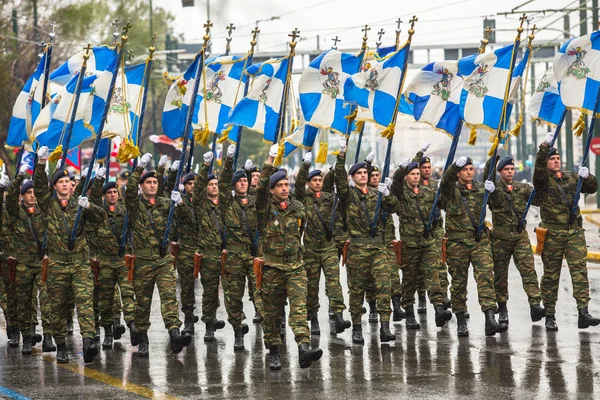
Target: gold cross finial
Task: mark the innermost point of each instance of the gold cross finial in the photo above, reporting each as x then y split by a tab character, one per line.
52	33
366	30
381	33
522	20
335	42
87	49
124	37
295	34
411	31
255	33
230	28
486	39
532	35
206	36
152	49
399	22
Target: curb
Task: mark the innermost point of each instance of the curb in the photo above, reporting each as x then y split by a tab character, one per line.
591	254
590	211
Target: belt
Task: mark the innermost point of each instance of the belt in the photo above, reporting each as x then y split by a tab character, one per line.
363	240
318	245
188	242
210	252
506	229
244	248
110	258
280	260
462	235
28	258
151	253
68	258
564	227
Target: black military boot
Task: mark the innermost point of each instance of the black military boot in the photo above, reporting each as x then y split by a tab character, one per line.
118	329
340	323
257	317
97	335
447	302
467	315
108	337
461	322
143	350
357	336
315	329
373	317
61	353
306	355
133	333
331	314
399	313
26	349
384	333
238	343
219	324
35	337
411	322
47	345
90	350
537	312
491	325
502	313
14	336
586	320
274	358
209	335
282	330
188	325
179	340
551	325
441	315
422	307
70	324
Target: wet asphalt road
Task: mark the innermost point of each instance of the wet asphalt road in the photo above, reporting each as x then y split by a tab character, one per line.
525	363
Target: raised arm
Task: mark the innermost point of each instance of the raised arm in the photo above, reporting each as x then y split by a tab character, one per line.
131	191
341	175
302	177
12	196
398	179
449	179
262	191
40	180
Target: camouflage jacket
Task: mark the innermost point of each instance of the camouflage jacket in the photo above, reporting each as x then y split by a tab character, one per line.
432	184
508	203
6	236
340	226
208	213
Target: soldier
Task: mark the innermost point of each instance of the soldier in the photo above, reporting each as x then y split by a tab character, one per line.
206	200
122	183
418	250
148	215
367	255
68	267
565	237
462	198
320	252
253	174
8	293
507	204
374	176
280	222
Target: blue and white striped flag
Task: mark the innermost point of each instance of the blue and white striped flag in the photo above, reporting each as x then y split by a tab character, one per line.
304	137
545	104
321	89
100	59
260	109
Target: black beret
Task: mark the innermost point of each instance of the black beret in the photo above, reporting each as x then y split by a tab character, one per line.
146	175
211	177
411	166
504	162
374	168
553	152
28	184
253	169
356	167
237	175
109	185
125	175
425	160
61	173
190	176
313	173
276	177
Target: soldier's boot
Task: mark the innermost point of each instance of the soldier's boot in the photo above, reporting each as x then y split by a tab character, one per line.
411	322
108	337
35	337
118	329
491	325
282	330
461	322
274	358
90	350
357	336
385	335
537	312
447	302
219	324
340	323
47	345
144	344
179	340
26	349
315	329
586	320
14	336
209	334
551	325
331	314
133	334
373	316
422	307
399	313
306	355
188	325
61	353
257	318
467	315
97	335
238	343
441	315
70	324
502	313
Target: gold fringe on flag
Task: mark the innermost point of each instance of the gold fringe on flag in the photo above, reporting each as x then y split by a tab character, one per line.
127	151
388	132
352	116
295	124
494	146
359	125
517	130
279	157
204	138
55	156
335	153
472	136
322	155
579	126
225	134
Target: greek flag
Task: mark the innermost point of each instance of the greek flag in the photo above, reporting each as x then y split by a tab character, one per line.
545	104
433	96
304	137
321	89
100	59
577	69
260	109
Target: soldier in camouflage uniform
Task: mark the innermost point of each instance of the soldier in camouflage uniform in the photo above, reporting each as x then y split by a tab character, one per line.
418	251
69	266
148	214
555	192
280	223
367	255
320	252
462	198
374	176
253	174
206	201
8	297
507	204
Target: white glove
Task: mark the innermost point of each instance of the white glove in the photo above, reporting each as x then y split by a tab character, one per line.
343	144
583	172
4	181
175	165
208	157
461	162
181	187
489	186
176	197
405	162
370	157
439	183
383	189
43	153
231	151
85	172
101	172
83	202
163	161
145	160
549	138
351	183
248	165
59	164
24	168
307	158
425	147
273	150
388	182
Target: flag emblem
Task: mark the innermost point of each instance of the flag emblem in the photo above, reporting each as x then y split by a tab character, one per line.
213	92
331	86
578	69
478	87
443	87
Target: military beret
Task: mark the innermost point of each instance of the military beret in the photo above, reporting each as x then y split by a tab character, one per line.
109	185
374	168
146	175
553	152
125	175
276	177
504	162
61	173
253	169
190	176
313	173
28	184
469	162
356	167
411	166
237	175
424	160
211	177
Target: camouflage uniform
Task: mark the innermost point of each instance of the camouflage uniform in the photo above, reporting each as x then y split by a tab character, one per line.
8	297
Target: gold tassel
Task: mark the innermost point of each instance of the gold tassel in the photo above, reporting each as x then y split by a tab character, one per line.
322	155
352	116
225	134
517	130
579	126
388	132
359	125
472	136
127	151
205	134
494	146
335	153
279	157
169	80
55	156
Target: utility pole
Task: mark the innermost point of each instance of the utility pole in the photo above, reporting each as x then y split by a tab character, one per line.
595	21
569	118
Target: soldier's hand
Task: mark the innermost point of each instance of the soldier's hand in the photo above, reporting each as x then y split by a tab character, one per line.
43	153
85	172
4	181
101	172
405	162
208	157
83	202
231	151
549	138
175	165
370	157
343	144
425	147
307	159
351	182
24	168
163	161
58	164
181	187
273	150
248	165
388	182
461	162
583	172
489	186
176	197
145	160
383	189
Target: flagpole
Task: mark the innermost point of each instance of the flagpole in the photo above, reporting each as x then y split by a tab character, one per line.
365	50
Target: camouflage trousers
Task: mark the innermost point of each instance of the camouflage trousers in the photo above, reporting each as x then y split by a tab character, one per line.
326	260
517	246
161	273
368	261
277	285
111	278
395	281
420	259
8	297
239	266
572	245
443	270
210	276
28	281
61	279
460	254
187	282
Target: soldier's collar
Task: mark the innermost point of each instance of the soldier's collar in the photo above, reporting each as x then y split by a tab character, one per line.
63	203
425	182
30	210
412	191
242	199
112	208
282	205
214	201
468	186
509	186
151	201
363	190
559	174
316	195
